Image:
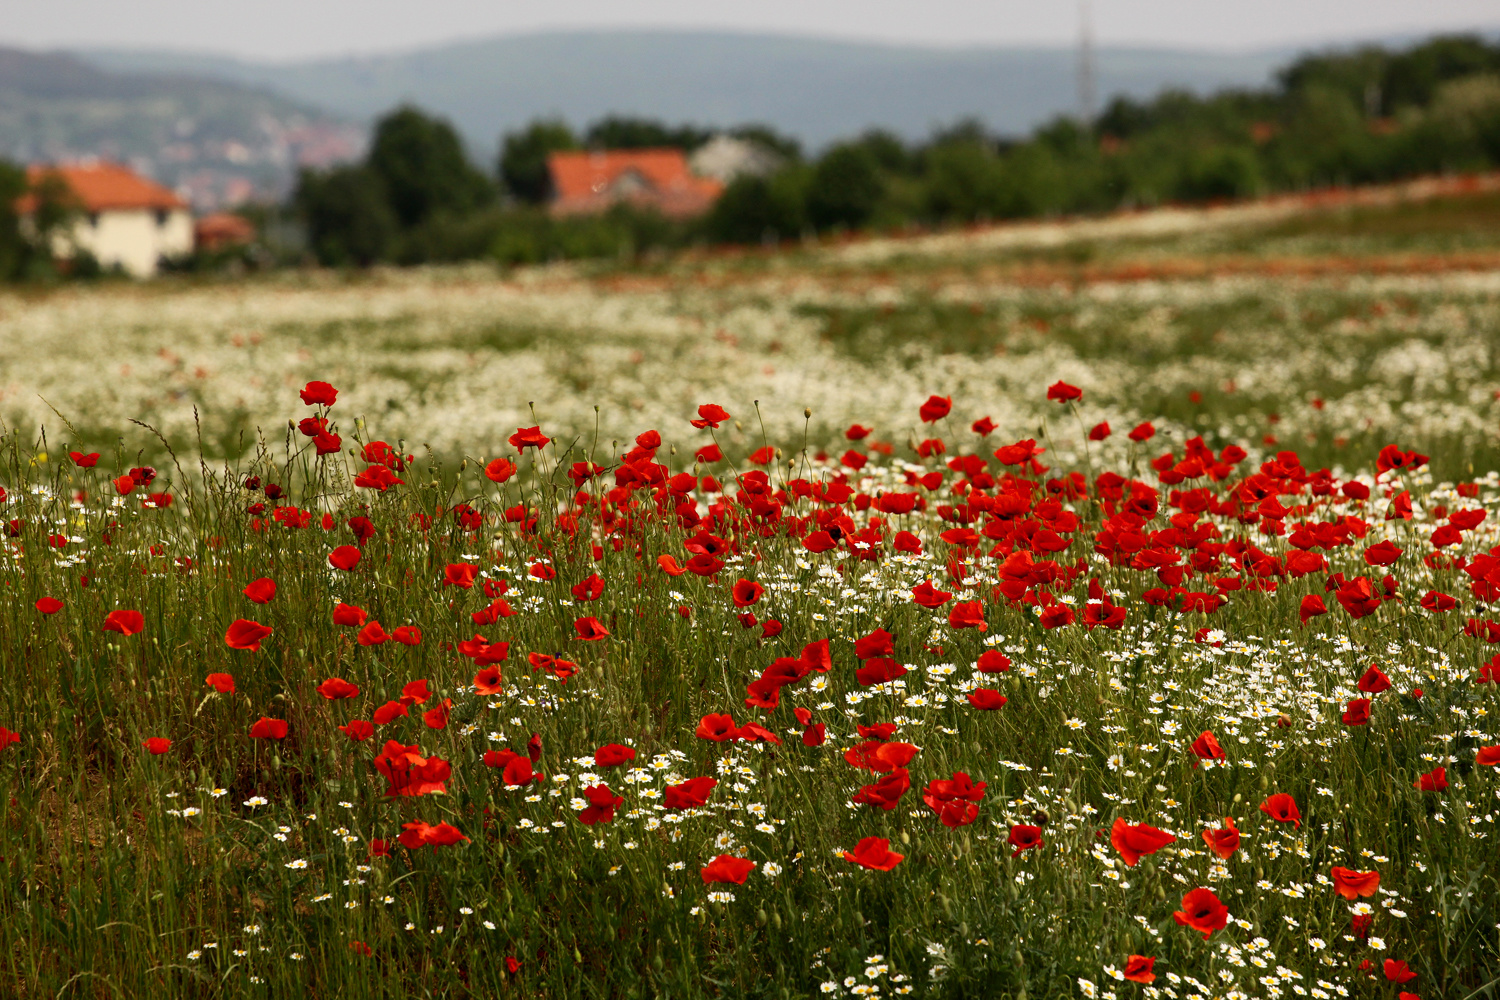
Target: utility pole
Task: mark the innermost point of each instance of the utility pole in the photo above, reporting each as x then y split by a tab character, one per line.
1086	62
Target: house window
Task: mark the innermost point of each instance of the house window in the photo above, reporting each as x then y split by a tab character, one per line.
161	217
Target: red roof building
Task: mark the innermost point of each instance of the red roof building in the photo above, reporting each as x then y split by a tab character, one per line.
103	187
589	182
123	219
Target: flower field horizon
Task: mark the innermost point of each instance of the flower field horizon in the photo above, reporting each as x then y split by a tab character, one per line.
796	635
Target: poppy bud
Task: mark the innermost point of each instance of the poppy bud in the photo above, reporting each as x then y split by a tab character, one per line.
1283	720
1039	818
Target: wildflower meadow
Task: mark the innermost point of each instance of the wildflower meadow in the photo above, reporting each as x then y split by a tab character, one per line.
752	633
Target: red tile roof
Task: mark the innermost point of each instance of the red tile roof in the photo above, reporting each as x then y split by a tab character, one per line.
104	186
649	178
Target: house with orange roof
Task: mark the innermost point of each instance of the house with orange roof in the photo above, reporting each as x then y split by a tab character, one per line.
120	217
592	181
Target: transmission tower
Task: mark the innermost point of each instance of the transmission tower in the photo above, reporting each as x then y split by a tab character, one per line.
1086	62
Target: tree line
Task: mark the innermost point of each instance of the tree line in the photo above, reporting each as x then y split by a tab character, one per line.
1334	118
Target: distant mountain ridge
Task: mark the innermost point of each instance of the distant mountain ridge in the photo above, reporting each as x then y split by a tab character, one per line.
816	89
214	140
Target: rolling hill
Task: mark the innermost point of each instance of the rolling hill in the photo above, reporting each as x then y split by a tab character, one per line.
815	89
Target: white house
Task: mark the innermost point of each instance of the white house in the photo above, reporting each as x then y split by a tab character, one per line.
122	218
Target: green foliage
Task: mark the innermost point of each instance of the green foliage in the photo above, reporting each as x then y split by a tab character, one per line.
761	209
845	187
523	158
623	132
422	164
348	216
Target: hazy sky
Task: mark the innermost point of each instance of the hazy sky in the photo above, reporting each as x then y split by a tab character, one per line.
278	29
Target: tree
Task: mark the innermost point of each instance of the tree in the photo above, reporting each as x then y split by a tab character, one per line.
347	214
12	245
760	209
421	162
845	188
523	158
618	132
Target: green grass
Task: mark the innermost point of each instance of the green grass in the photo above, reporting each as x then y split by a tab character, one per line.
128	874
113	891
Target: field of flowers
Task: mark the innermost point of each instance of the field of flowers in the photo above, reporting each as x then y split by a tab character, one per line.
752	631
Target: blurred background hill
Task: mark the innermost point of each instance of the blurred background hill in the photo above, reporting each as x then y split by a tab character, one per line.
218	141
814	89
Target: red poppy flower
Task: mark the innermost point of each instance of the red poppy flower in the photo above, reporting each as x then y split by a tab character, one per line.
437	716
157	745
389	711
409	773
746	593
1373	681
987	699
1142	432
372	635
529	437
1487	756
7	737
319	394
1137	840
499	470
992	661
928	596
887	790
935	409
415	692
1202	911
1024	837
1358	712
518	772
601	807
874	853
881	670
1019	453
1062	392
718	728
1099	431
1223	841
1383	554
488	681
877	643
728	868
459	575
1438	602
124	622
1433	781
442	835
590	629
1283	809
49	605
967	614
335	688
268	729
1056	616
1397	971
1351	884
261	591
345	557
1206	747
245	634
1358	596
84	461
710	415
348	615
689	794
1138	969
358	730
613	755
407	635
1312	607
222	683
